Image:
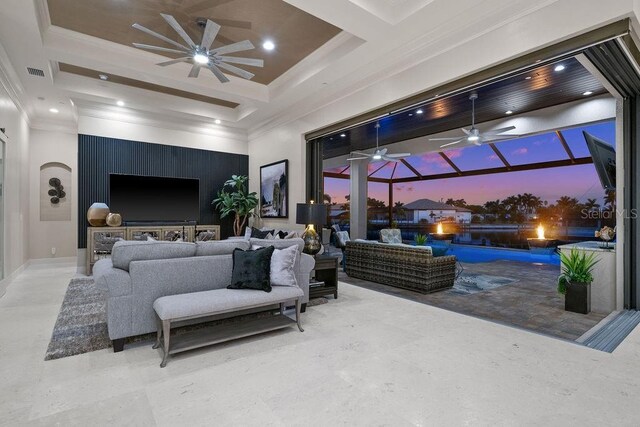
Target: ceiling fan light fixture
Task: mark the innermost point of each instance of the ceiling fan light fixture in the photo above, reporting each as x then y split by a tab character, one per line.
377	157
473	138
268	45
201	58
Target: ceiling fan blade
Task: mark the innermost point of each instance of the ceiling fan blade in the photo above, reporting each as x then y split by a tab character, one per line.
195	70
178	29
234	47
467	132
499	131
235	70
243	61
216	72
399	155
161	49
361	153
390	159
453	143
445	139
198	7
210	33
174	61
159	36
357	158
381	151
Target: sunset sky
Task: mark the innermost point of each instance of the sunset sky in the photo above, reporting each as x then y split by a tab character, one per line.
549	184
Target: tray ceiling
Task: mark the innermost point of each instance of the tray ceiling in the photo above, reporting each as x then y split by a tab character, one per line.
295	32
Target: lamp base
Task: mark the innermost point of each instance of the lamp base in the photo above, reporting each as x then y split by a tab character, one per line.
312	242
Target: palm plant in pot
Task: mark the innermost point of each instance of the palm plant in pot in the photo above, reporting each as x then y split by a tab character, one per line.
575	280
235	199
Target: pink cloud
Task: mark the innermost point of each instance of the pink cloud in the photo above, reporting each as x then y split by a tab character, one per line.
492	157
520	151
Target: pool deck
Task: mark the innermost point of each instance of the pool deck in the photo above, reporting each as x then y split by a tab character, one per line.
530	303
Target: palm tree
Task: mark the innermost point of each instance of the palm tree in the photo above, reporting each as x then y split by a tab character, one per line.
398	208
610	200
567	207
591	205
326	198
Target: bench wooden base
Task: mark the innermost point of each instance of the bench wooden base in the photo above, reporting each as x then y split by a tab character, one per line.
218	334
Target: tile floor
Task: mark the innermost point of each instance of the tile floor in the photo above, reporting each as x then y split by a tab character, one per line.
364	359
531	303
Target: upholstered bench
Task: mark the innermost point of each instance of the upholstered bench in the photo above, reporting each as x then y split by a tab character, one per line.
182	307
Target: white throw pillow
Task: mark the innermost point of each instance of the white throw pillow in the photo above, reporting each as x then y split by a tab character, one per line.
282	266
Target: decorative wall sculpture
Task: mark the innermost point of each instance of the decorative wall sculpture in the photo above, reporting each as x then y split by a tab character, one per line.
55	202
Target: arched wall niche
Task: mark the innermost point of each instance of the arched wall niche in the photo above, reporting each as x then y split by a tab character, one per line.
55	192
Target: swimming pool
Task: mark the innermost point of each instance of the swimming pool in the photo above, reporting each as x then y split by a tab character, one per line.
475	254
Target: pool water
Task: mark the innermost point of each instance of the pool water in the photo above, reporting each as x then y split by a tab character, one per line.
475	254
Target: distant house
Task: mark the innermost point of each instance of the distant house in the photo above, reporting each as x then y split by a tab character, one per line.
432	211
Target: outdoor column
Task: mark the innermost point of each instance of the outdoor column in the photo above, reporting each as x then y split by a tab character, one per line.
358	190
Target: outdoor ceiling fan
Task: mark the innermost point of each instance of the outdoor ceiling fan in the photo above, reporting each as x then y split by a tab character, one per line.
380	153
473	135
202	55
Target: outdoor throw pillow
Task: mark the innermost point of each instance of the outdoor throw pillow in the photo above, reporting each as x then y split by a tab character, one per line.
260	234
251	269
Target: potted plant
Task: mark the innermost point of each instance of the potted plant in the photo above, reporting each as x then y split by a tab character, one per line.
575	280
421	239
235	199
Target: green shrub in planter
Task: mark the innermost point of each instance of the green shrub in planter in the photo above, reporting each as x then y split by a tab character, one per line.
421	239
575	280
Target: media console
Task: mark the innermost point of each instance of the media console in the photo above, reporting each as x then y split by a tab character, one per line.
100	240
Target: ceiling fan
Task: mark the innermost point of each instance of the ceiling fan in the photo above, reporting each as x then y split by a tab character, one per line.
473	135
380	153
202	55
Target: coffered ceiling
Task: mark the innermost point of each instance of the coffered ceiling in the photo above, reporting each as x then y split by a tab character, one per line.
295	32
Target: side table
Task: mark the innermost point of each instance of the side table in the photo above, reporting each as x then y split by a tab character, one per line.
326	270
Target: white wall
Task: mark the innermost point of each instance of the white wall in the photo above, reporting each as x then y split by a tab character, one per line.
45	147
15	191
214	138
557	21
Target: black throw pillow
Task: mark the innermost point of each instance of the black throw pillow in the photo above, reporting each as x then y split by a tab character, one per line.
257	234
251	269
282	234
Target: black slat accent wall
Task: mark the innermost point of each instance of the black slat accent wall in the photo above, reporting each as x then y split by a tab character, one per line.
99	156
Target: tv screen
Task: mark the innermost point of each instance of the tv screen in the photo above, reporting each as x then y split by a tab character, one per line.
604	159
151	198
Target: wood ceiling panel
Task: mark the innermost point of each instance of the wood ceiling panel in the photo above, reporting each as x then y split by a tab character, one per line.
295	32
95	74
544	89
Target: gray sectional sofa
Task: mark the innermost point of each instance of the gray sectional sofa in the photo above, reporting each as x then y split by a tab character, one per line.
140	272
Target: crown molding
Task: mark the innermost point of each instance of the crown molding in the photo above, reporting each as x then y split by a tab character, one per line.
11	83
67	126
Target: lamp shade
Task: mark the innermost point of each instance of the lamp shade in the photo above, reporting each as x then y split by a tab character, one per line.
311	213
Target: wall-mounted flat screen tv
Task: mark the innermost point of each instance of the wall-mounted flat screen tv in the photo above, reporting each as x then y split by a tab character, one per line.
152	198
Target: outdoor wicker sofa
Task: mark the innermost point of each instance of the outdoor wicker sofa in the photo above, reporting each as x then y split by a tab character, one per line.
402	266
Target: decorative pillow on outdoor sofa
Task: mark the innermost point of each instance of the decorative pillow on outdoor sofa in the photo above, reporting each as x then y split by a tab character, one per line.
252	269
390	235
260	234
283	262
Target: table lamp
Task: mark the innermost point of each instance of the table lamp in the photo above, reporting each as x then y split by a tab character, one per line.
311	214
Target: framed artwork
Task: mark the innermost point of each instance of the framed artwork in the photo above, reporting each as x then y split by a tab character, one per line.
274	190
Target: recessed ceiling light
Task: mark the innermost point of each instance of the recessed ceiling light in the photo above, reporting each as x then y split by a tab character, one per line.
120	103
559	68
217	121
53	110
200	58
419	112
508	112
528	78
343	135
103	77
268	45
587	93
410	114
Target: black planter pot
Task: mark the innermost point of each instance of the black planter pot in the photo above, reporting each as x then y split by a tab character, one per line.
578	298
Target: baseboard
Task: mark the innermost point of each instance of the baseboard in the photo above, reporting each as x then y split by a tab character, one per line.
52	261
4	283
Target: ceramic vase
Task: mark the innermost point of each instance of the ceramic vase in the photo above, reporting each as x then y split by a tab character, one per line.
114	220
97	214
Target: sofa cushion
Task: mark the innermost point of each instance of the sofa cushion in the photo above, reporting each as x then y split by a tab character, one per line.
283	263
220	247
126	251
260	234
251	269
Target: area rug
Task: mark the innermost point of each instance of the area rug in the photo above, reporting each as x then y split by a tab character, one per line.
81	326
472	283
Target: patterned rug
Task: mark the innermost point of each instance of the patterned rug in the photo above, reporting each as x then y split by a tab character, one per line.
82	322
471	283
